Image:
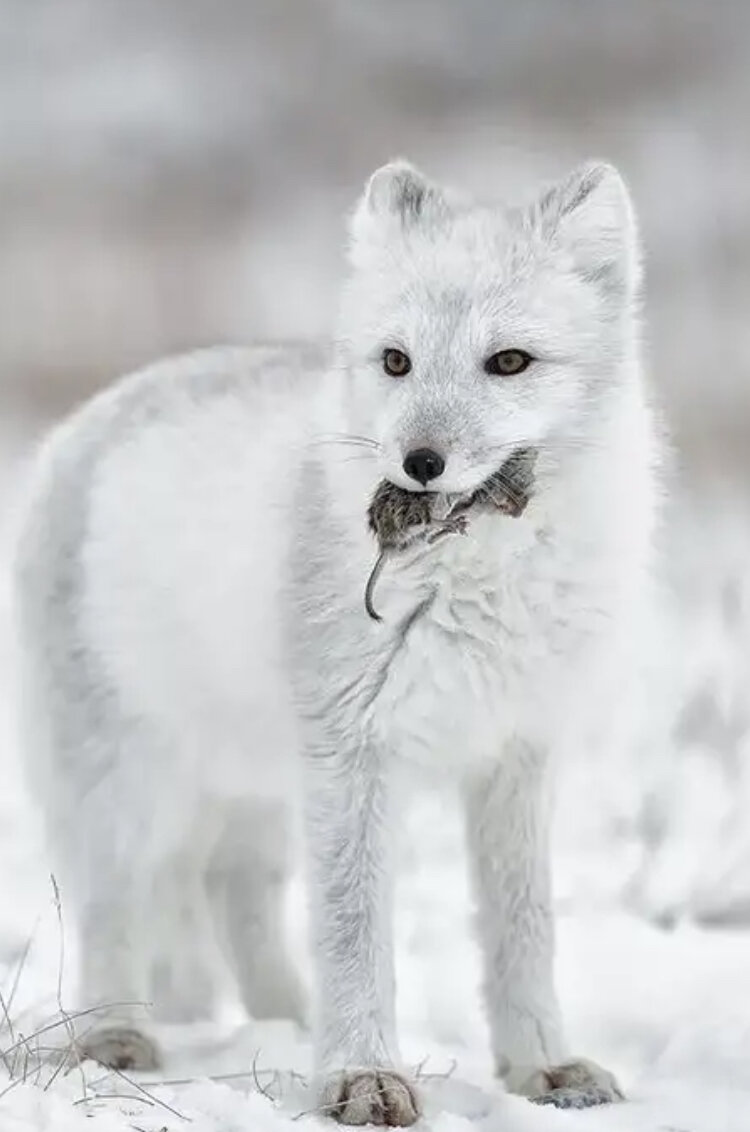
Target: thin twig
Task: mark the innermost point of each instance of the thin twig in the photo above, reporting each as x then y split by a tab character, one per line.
263	1091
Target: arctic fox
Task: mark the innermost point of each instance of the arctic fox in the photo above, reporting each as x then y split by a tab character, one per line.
194	640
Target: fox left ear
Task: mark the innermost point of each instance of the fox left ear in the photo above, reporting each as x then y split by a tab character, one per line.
397	198
591	215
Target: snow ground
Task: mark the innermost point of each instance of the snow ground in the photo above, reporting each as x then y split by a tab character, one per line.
667	1009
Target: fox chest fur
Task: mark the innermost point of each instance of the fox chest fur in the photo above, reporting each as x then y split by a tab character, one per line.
483	635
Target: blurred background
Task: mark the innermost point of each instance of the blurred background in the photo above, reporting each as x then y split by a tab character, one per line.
174	174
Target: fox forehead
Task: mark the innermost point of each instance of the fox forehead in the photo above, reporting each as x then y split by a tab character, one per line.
476	248
450	290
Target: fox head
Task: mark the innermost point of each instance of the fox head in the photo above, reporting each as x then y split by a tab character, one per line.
469	331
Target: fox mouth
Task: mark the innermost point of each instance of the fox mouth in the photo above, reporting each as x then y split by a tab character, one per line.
395	511
400	519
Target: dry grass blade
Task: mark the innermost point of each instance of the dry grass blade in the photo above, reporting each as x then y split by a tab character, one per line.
94	1097
73	1042
238	1076
64	1065
11	1031
26	1057
20	967
10	1086
150	1096
72	1016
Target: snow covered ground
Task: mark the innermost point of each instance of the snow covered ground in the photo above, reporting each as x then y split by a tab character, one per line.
649	844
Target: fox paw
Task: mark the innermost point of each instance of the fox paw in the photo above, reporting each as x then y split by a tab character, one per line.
576	1084
120	1047
370	1096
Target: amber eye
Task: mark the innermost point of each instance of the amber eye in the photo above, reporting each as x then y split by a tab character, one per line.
396	363
508	362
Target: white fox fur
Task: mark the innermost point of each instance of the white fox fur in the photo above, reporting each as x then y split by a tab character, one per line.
194	641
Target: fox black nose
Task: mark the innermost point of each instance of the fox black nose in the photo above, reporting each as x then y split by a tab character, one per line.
423	464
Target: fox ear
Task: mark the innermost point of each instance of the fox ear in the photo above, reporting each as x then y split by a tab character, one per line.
397	197
590	214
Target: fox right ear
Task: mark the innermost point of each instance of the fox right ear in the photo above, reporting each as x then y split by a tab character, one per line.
590	214
396	198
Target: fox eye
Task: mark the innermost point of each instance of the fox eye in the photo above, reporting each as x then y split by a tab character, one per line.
396	363
508	362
